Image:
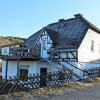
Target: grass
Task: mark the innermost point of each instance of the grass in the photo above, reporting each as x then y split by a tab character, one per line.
67	86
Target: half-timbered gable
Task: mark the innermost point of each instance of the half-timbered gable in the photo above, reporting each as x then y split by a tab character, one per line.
46	43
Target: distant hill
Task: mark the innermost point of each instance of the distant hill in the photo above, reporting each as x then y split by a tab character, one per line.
10	40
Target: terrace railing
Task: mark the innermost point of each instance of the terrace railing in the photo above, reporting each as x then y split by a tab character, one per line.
23	52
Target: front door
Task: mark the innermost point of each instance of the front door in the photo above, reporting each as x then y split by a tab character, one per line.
23	74
43	75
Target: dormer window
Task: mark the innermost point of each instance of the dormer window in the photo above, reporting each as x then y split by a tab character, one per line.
92	45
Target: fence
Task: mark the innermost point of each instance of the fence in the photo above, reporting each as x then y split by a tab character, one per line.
36	81
50	79
91	72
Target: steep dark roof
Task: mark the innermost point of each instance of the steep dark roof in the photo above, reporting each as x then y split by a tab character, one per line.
69	33
66	34
32	39
52	34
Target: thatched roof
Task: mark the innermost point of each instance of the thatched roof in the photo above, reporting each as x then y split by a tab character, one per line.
66	34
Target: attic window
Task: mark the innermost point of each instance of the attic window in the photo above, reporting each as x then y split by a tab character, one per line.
44	44
64	25
61	26
92	45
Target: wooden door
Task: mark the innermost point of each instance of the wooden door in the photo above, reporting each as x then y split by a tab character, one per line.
23	74
43	75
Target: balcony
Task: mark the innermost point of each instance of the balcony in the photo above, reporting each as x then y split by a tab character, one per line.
20	52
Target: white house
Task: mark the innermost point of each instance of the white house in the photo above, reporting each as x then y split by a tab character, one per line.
73	43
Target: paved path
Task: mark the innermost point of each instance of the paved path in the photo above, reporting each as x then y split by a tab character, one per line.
91	93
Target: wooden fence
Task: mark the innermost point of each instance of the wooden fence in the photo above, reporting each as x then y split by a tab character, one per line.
50	79
92	72
35	81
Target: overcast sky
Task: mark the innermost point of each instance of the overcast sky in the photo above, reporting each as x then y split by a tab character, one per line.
24	17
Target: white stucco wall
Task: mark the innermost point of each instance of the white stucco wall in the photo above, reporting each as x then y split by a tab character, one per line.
34	67
84	52
12	67
3	69
46	43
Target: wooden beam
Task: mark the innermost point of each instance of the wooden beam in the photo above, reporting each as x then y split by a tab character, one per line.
6	69
67	55
77	55
17	67
73	54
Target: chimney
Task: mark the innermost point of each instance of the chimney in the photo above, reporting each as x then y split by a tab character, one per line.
78	15
61	20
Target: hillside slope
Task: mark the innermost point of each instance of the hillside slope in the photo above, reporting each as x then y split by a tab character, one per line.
10	40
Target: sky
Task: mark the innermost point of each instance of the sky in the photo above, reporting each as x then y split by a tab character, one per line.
22	18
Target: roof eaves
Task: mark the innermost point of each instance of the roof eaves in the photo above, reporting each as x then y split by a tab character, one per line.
42	30
51	33
91	25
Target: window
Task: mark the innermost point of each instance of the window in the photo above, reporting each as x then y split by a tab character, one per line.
23	71
92	45
44	44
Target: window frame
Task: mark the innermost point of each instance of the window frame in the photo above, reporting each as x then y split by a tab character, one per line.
92	45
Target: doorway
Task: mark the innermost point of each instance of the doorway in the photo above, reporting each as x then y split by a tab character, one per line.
43	75
23	74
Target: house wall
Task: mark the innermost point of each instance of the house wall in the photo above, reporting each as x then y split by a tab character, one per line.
69	54
86	57
85	54
46	43
34	67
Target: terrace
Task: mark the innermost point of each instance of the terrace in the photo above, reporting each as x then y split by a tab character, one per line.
19	51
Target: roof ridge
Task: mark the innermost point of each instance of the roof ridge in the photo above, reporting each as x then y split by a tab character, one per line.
60	21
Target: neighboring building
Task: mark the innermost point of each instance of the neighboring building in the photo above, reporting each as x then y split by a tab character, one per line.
72	43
